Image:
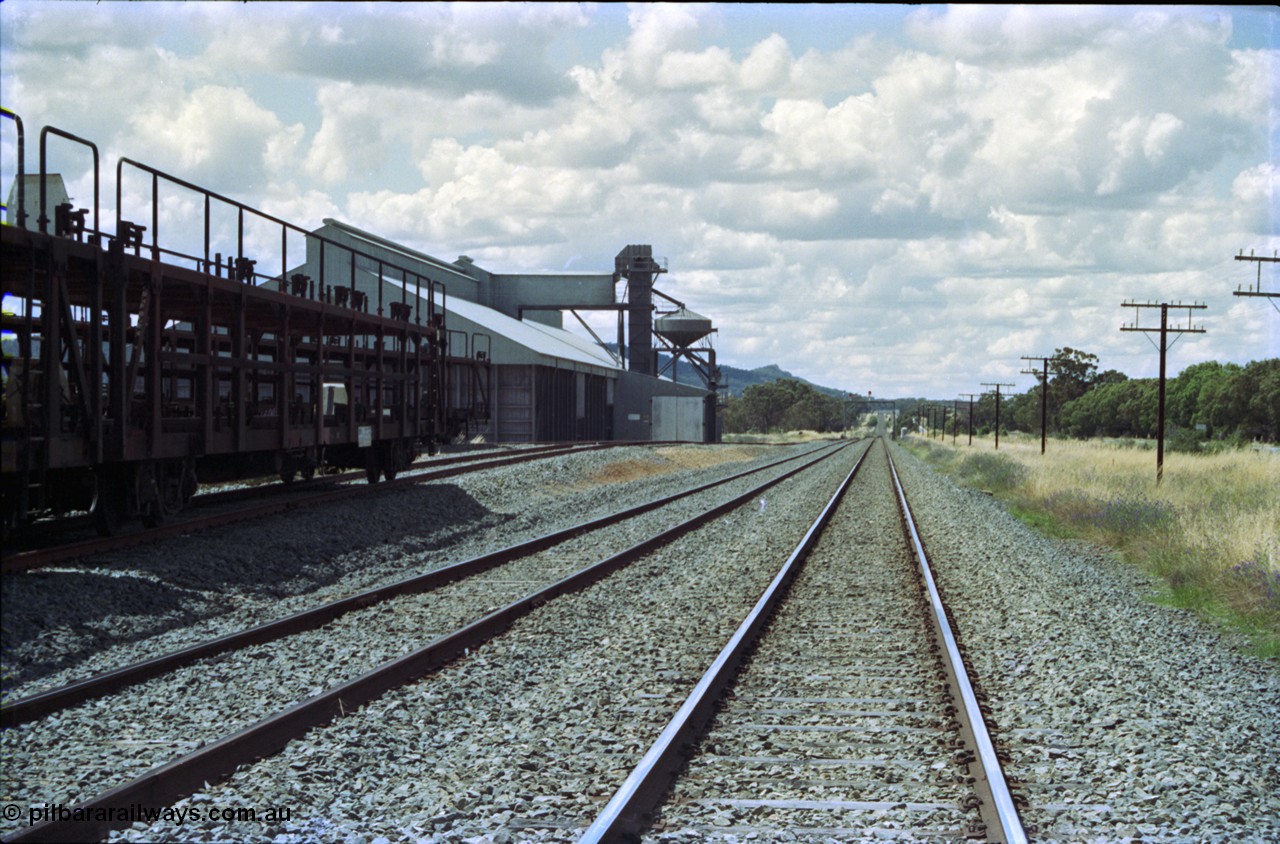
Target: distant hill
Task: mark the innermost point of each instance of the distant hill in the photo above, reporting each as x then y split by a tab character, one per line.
739	379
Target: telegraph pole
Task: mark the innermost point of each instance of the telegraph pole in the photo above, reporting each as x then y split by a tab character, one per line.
1044	396
971	397
1257	290
997	386
955	420
1164	331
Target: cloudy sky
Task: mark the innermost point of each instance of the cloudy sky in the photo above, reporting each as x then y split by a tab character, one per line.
903	199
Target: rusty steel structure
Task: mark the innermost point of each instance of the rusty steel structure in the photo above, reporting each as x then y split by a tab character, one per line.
136	367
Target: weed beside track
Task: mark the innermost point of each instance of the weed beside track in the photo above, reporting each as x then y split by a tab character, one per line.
1210	532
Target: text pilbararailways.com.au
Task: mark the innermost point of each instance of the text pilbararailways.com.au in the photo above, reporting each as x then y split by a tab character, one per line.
139	813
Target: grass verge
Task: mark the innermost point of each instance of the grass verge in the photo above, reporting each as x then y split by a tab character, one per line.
1210	532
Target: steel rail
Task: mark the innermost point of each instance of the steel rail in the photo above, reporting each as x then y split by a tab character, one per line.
213	496
624	816
997	807
39	705
215	761
27	560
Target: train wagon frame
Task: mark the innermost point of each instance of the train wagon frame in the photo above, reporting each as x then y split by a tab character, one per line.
132	371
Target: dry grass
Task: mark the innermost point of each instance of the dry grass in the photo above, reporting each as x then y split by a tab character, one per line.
783	437
667	459
1211	530
1228	503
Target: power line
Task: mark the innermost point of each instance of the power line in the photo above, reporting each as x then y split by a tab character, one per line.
1257	290
997	386
1164	347
1044	396
971	397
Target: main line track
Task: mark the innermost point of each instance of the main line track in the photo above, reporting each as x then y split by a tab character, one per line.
845	709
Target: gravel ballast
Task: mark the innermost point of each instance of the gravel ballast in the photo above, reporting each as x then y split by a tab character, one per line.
1127	721
839	726
541	723
82	751
1123	720
66	622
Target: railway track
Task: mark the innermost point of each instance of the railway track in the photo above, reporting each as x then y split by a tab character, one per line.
219	756
528	735
845	710
216	509
54	700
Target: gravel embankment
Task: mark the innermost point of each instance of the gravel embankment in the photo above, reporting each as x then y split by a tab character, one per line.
102	742
1126	720
544	721
67	622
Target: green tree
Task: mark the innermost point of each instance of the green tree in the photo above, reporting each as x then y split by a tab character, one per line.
1072	373
1182	394
1259	385
783	404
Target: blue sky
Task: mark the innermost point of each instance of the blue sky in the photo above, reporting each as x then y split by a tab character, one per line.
903	199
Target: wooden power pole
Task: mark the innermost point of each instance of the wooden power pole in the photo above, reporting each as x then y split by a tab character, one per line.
1164	331
1044	396
971	397
997	386
1257	289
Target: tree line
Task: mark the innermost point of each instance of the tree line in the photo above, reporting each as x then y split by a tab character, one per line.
784	405
1207	401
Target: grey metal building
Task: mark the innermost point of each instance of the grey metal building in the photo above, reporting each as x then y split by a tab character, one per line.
541	382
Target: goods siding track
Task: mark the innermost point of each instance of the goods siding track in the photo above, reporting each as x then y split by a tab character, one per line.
481	613
211	510
54	700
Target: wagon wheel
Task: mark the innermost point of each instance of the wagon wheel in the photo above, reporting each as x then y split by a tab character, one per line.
110	506
159	491
394	460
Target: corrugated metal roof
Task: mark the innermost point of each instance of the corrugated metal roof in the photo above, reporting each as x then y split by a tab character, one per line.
544	340
539	338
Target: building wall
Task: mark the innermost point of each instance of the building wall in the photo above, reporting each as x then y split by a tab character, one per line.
513	404
55	194
544	404
679	418
633	405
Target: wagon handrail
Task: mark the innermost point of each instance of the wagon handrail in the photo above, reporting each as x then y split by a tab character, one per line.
243	210
44	214
22	170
